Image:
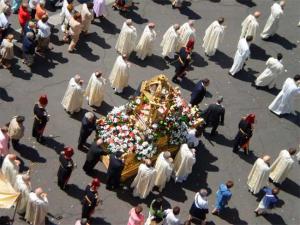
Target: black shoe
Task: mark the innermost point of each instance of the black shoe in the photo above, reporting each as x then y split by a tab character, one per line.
175	80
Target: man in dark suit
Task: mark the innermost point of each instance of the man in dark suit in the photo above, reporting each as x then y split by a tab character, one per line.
114	171
199	92
88	125
214	115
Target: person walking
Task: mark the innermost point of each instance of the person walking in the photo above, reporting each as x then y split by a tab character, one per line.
223	196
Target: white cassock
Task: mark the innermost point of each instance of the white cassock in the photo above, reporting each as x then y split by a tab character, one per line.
145	46
249	27
185	33
143	183
94	91
273	21
164	171
241	55
281	167
120	74
127	40
170	42
258	176
73	98
191	137
10	170
284	101
269	76
36	210
213	35
183	163
24	189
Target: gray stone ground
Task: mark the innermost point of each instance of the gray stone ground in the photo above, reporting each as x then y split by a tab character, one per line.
20	88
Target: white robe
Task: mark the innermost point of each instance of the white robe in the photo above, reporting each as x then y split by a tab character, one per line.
73	98
269	76
36	210
183	163
10	170
24	189
281	167
283	103
94	91
213	35
185	33
169	42
164	171
143	183
145	46
241	55
273	21
120	74
258	176
191	137
249	27
127	39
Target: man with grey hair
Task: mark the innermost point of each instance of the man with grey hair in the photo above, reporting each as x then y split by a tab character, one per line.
199	208
164	168
88	125
29	44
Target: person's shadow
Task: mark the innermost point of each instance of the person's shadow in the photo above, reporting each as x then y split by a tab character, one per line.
154	61
248	3
231	216
221	59
250	158
50	142
4	95
258	53
136	18
294	118
74	191
185	10
30	153
285	43
274	219
290	187
107	26
198	60
103	109
187	84
128	91
219	139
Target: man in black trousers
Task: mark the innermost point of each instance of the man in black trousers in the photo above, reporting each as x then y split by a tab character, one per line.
114	171
88	125
199	92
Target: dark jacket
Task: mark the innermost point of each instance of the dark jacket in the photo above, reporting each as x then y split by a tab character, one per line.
198	93
115	167
87	127
94	153
214	114
28	46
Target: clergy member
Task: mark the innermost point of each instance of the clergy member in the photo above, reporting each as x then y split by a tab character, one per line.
87	16
282	165
37	207
23	186
94	91
170	41
10	168
164	168
127	38
145	46
73	98
259	174
250	25
184	161
186	32
99	8
213	36
75	28
273	20
241	55
269	76
284	101
143	183
66	167
119	75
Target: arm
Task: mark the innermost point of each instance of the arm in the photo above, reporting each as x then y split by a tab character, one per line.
222	117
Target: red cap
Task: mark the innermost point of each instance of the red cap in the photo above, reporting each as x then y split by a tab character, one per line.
190	44
250	118
68	151
95	183
43	100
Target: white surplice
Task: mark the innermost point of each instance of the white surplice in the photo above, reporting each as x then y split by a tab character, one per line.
241	55
185	33
170	42
249	27
145	46
119	75
258	176
36	210
284	101
24	189
191	137
213	35
127	39
269	76
164	171
10	170
273	21
95	90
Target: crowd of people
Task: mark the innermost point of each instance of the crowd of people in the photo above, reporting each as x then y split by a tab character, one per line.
177	46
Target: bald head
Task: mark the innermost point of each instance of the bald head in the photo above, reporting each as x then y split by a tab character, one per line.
191	22
26	178
282	4
77	78
38	191
98	74
129	22
148	162
257	14
167	155
176	26
266	158
12	157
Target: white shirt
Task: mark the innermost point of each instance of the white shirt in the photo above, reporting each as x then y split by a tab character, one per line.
3	21
43	29
171	219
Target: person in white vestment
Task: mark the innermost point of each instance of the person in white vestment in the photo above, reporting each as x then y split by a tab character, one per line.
284	101
259	174
145	46
23	186
250	25
10	168
186	32
164	168
273	21
127	38
193	136
87	16
73	98
143	183
170	41
269	76
37	207
184	162
119	75
282	165
172	216
213	36
241	55
94	91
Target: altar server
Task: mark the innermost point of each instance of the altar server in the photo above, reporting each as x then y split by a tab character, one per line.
282	165
164	168
284	101
75	28
66	167
186	32
10	168
87	16
73	98
143	183
91	199
41	118
213	36
23	186
170	41
259	174
127	38
250	25
145	46
241	55
94	91
273	21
